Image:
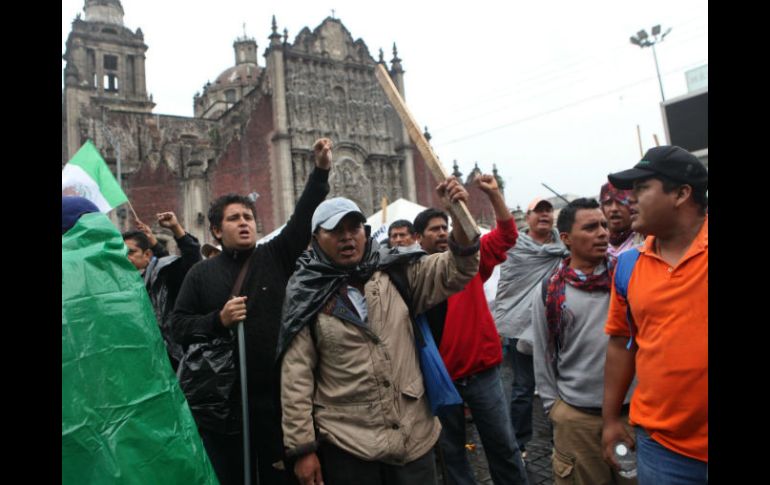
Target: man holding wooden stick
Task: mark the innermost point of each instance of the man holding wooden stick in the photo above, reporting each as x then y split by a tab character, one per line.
467	339
355	409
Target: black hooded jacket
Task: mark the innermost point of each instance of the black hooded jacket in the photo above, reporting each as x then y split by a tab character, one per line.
205	291
163	277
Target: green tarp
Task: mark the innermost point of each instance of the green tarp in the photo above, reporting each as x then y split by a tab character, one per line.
124	418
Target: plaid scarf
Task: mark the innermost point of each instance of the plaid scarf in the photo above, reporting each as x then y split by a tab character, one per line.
558	316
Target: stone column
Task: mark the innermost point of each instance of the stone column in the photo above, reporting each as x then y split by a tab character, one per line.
281	180
73	118
140	81
195	201
99	72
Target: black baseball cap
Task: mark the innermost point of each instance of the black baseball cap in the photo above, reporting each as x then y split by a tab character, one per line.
670	161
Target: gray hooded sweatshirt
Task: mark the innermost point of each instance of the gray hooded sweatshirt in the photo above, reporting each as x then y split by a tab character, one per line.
527	264
580	379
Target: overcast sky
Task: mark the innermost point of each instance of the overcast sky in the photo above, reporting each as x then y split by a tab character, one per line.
548	91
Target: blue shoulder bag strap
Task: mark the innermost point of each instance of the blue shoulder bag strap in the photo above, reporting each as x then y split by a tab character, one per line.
623	270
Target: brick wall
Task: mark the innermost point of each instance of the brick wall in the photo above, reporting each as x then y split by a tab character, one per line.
152	190
244	166
478	203
424	182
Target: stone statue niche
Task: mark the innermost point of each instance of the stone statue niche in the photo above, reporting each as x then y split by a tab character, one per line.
347	179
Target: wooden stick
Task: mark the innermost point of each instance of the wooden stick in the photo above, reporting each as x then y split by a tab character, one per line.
464	217
132	210
655	137
384	205
639	137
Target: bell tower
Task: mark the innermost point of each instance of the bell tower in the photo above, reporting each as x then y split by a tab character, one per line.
104	69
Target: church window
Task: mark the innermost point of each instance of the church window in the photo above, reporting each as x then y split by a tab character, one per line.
111	82
130	86
111	62
230	95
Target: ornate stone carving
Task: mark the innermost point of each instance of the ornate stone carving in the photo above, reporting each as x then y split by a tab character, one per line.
301	165
335	94
349	180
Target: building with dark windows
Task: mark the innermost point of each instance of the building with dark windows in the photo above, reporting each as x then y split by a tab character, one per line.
252	128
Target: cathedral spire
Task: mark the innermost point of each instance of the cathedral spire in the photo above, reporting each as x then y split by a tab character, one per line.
395	63
245	49
275	37
500	183
456	172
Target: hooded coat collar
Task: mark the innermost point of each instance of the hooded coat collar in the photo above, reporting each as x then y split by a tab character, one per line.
317	278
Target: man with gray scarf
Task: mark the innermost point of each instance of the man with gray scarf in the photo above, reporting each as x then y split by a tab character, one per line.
537	252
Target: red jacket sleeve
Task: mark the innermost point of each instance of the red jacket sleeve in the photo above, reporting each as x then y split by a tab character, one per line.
494	246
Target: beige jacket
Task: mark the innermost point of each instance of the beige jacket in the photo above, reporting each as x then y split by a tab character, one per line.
362	389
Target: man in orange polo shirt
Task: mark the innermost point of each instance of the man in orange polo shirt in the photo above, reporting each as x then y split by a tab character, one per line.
666	340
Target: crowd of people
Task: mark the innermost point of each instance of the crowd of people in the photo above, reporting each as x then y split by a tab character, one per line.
604	315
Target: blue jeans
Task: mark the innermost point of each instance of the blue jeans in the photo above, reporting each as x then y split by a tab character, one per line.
657	465
483	392
522	395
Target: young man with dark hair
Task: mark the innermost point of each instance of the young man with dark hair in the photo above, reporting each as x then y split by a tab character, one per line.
354	406
207	312
423	218
469	344
401	233
163	273
570	345
537	252
659	328
616	205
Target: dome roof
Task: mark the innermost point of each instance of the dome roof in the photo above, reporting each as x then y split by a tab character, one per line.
107	11
241	75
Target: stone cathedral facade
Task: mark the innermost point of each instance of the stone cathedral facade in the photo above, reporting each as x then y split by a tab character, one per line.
252	129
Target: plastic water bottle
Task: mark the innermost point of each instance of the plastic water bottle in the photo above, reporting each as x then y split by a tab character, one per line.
626	458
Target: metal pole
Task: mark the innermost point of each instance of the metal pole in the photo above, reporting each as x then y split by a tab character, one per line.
120	171
245	407
116	143
557	194
660	83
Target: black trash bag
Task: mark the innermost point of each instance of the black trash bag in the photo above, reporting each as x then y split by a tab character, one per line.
317	277
163	303
207	375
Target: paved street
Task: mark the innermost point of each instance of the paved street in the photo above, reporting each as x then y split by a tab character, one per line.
538	449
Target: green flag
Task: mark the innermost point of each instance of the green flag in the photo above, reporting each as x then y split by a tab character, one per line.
86	175
124	418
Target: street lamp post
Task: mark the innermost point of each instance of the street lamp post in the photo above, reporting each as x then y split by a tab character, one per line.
643	40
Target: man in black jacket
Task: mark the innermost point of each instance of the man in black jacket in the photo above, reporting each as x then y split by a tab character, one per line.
206	314
163	273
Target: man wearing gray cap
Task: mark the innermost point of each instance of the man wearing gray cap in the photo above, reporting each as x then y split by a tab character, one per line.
207	313
537	252
658	323
352	394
